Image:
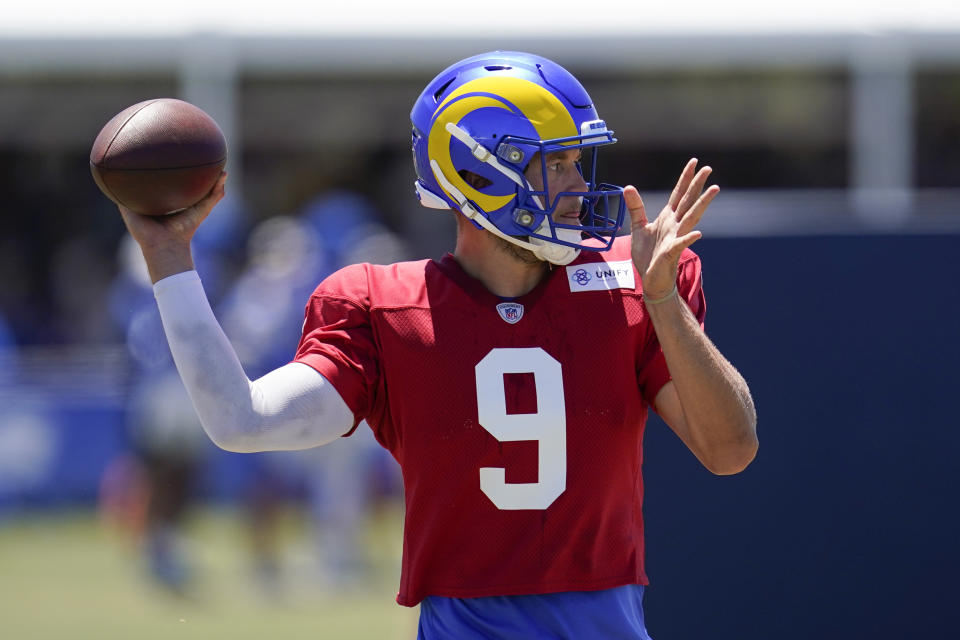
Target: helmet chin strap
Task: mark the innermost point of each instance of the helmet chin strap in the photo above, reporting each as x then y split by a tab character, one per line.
558	254
545	250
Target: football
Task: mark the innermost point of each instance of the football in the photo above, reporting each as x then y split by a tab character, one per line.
158	156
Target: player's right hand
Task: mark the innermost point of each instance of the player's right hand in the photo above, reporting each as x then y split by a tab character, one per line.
165	240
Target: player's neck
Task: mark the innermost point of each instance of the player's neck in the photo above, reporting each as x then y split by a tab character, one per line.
505	270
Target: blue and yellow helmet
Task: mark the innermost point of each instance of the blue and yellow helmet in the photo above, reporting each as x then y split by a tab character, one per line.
489	116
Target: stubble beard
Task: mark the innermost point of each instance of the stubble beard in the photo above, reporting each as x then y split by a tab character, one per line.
524	256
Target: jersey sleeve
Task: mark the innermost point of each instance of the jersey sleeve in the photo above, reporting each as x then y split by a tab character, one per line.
653	373
338	339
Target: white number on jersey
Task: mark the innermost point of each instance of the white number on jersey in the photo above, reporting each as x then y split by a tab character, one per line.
548	426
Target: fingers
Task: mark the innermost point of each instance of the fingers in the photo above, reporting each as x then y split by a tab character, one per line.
685	241
137	223
693	191
215	194
192	217
174	227
638	214
690	210
692	217
129	220
678	244
686	176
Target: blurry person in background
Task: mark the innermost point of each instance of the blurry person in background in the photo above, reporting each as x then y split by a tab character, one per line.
261	315
155	484
512	378
260	310
163	432
150	489
344	477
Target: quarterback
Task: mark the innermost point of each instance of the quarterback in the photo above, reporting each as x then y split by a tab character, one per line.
511	379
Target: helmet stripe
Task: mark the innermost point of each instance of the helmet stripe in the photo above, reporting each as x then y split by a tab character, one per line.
546	112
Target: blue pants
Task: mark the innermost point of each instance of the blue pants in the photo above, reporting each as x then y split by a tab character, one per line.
610	613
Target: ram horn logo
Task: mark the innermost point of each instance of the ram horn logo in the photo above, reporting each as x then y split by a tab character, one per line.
528	100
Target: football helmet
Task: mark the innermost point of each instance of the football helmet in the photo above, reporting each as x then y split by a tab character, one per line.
479	124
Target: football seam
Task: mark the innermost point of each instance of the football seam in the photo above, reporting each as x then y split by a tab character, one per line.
192	166
106	151
119	201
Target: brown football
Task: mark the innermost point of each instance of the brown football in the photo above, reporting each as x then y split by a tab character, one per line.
158	156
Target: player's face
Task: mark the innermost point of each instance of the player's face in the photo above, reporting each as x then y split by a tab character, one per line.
563	174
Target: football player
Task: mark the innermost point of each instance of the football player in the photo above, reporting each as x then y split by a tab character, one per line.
511	379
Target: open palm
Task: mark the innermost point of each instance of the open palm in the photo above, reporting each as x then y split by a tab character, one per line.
656	246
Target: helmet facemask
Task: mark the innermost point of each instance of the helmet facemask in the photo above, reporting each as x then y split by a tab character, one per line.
601	207
491	123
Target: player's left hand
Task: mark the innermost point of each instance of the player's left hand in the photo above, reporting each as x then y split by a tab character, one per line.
656	246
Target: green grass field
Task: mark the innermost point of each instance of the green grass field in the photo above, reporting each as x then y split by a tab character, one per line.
69	576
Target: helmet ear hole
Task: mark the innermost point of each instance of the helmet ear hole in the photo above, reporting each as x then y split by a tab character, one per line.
475	180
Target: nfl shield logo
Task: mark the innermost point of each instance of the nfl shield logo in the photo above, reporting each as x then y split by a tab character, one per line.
510	311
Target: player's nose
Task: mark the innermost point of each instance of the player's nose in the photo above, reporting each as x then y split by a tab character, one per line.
577	183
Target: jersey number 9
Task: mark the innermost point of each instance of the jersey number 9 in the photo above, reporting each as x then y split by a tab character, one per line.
548	426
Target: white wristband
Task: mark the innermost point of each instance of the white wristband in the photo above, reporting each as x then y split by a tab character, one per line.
650	301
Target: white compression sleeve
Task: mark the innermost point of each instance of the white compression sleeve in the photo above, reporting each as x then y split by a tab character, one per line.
293	407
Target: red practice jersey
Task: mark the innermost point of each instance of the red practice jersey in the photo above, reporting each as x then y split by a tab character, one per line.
518	424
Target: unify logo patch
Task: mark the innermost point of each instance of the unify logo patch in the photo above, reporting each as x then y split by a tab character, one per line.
511	312
601	276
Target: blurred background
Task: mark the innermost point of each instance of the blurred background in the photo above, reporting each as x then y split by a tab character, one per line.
830	268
